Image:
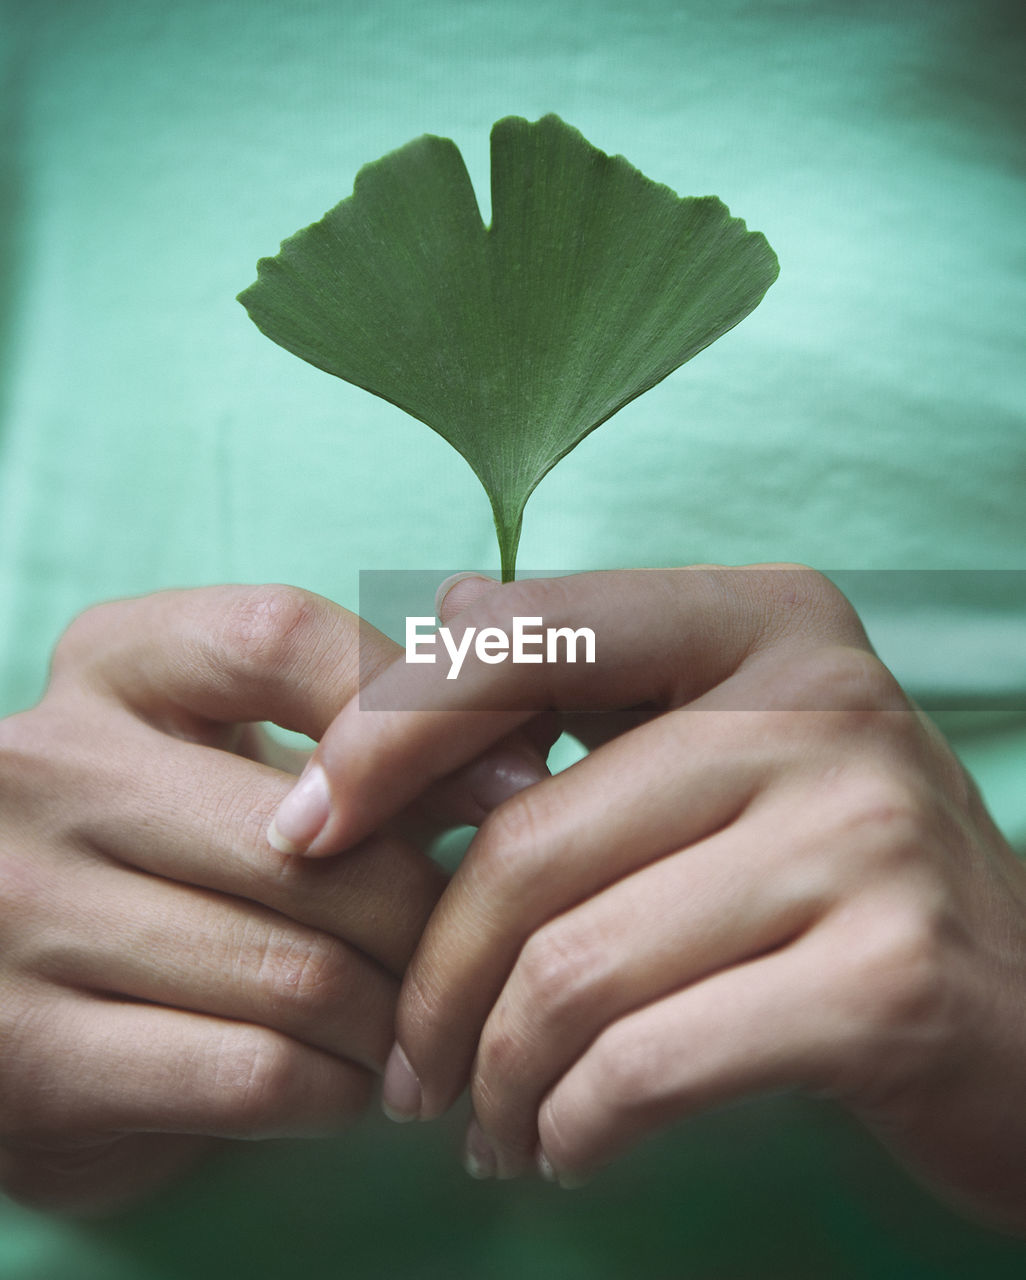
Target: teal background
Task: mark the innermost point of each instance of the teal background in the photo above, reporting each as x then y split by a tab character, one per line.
869	415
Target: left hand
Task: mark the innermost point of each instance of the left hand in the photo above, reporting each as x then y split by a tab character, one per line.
782	878
167	978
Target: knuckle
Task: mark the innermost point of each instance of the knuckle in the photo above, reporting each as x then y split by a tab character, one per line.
796	597
246	811
499	1053
558	1130
15	733
257	1073
844	679
264	629
559	970
85	634
903	999
888	819
908	966
27	895
625	1069
23	1103
499	1069
510	844
26	748
554	991
300	972
419	1012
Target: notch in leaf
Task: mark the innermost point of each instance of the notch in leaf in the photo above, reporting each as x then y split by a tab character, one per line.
513	341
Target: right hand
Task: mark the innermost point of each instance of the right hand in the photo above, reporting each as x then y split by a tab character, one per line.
166	977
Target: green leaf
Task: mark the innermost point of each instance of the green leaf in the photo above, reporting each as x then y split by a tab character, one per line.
512	342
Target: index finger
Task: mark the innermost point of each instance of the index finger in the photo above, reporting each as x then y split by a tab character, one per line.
192	661
660	636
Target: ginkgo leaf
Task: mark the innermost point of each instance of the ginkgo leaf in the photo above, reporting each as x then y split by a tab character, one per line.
512	341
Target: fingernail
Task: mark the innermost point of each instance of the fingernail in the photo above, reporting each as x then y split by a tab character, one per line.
500	776
302	814
568	1181
478	1153
400	1088
445	587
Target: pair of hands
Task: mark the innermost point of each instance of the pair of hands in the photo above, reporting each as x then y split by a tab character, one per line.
769	873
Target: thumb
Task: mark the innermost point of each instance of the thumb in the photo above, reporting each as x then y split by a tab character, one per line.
458	592
510	765
463	797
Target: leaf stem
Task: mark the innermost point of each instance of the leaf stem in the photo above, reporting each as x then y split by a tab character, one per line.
509	540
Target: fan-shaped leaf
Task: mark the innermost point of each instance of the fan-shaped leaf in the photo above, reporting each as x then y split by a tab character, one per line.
515	341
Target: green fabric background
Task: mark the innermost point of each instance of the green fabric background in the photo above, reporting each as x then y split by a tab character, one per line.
869	415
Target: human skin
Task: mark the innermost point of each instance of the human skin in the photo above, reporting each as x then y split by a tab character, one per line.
774	875
167	978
